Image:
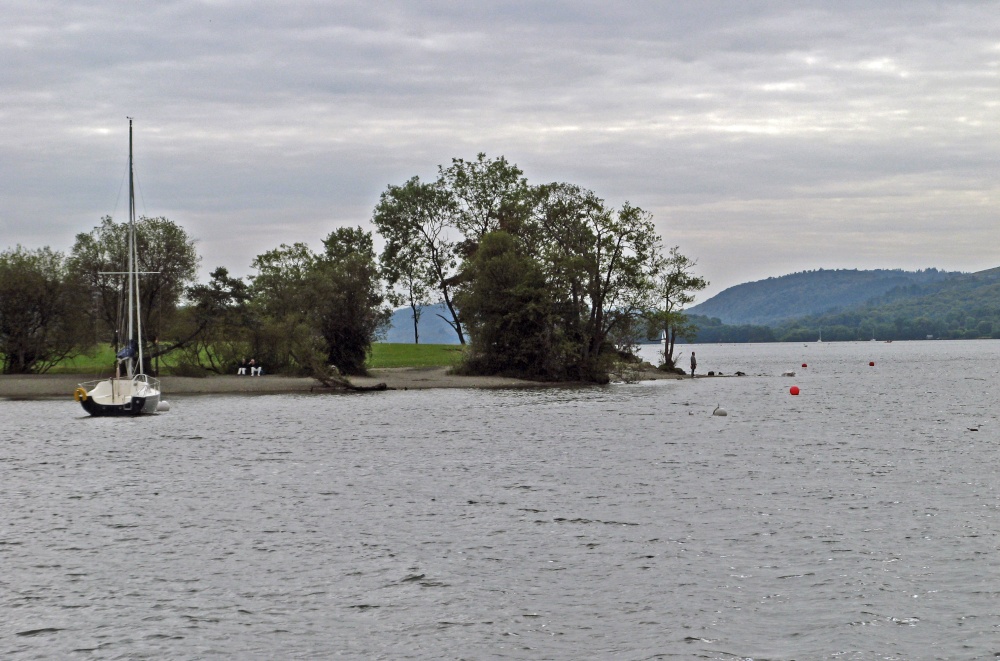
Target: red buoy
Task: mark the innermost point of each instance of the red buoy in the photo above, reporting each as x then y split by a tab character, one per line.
804	365
871	364
794	390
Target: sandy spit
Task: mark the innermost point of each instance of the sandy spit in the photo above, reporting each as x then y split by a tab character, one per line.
44	386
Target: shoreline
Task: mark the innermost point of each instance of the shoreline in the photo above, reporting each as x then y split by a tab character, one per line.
54	386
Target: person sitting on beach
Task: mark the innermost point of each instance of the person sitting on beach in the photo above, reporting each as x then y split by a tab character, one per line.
254	370
242	371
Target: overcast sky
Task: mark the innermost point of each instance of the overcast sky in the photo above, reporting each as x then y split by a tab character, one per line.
765	137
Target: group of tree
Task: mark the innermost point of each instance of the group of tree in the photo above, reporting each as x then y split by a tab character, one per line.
41	310
544	281
541	281
302	312
55	305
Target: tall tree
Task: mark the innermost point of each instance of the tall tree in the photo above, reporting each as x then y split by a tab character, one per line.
43	311
166	254
414	221
676	286
405	265
508	310
284	340
604	263
318	310
407	279
348	309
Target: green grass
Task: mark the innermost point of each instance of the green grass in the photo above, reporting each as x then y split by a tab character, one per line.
102	360
415	355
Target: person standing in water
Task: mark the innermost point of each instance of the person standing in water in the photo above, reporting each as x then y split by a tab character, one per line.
694	364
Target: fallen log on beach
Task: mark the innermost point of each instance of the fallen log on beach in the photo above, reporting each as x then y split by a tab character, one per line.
334	380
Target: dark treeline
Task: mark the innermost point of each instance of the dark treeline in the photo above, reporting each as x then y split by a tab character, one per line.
543	281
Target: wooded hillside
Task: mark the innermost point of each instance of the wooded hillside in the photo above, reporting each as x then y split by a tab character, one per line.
928	304
775	300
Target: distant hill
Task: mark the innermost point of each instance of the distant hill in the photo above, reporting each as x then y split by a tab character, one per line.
776	300
962	306
433	329
955	306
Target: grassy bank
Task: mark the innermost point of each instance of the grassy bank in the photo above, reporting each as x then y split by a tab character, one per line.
383	355
414	355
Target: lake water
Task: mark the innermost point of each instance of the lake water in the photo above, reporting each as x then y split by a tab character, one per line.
858	520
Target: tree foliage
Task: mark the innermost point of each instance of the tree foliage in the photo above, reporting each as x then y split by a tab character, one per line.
507	307
166	255
547	272
349	303
219	320
676	286
486	195
43	310
601	264
284	339
419	257
322	309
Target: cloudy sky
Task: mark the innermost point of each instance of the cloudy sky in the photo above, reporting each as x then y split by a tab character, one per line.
765	137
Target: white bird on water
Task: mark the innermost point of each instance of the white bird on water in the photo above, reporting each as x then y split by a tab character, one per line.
719	410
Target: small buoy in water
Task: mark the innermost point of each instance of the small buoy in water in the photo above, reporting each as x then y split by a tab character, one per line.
719	410
871	364
794	390
163	405
804	365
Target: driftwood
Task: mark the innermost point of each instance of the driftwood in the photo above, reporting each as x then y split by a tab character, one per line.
333	379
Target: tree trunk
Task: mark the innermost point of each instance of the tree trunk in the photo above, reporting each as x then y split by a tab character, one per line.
416	321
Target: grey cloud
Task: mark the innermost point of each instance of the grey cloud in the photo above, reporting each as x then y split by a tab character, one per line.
805	133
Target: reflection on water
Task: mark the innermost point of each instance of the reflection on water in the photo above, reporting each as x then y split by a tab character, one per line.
857	520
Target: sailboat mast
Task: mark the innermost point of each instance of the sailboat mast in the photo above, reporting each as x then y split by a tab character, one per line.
131	250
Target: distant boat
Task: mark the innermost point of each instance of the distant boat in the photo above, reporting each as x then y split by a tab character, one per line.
820	337
130	391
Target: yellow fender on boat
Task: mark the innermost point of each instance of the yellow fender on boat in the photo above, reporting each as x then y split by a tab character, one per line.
80	395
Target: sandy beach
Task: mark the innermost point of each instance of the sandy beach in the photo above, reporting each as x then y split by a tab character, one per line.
44	386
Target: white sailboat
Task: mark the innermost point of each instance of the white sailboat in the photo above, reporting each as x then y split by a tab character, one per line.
130	391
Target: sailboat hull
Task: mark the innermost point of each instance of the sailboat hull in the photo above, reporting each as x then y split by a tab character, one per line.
120	397
135	406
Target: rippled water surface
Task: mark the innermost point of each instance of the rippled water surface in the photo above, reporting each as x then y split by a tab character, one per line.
858	520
